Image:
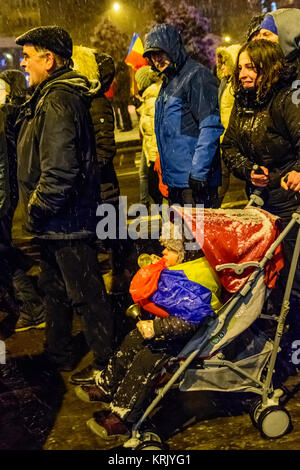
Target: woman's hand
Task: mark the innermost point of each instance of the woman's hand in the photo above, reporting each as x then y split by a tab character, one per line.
291	181
146	328
260	180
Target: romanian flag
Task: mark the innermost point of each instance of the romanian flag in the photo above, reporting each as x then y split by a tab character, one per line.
135	54
189	290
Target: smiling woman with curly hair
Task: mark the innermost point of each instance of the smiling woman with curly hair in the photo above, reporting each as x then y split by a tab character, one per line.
264	129
268	63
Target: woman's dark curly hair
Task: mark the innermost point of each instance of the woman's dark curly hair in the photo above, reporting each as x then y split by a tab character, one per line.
269	62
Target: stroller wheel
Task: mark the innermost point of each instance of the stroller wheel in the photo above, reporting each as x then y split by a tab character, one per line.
255	411
151	441
274	422
152	445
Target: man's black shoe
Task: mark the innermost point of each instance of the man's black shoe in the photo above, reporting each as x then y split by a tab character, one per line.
84	376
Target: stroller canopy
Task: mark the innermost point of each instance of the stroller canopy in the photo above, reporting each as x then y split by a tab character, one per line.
234	236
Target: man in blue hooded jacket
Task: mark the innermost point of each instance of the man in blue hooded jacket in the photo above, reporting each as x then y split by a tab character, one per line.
187	120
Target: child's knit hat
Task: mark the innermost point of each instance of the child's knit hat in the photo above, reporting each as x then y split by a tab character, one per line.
144	77
172	239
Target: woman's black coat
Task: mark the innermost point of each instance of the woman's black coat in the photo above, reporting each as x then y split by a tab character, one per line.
267	134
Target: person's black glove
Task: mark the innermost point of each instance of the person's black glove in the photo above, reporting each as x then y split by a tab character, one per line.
199	190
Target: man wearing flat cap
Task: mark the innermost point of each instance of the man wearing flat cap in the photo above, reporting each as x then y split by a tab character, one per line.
59	195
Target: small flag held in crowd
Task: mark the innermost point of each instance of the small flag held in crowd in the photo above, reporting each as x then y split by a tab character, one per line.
135	54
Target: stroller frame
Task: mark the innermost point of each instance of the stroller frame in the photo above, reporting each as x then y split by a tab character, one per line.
271	418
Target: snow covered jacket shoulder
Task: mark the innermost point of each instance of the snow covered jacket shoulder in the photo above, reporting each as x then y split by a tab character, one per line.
57	159
268	135
146	123
187	118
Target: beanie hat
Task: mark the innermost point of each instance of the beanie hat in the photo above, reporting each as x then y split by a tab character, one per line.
171	238
254	26
53	38
269	24
145	77
106	69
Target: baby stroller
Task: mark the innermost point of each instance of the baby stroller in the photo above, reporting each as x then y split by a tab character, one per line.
257	259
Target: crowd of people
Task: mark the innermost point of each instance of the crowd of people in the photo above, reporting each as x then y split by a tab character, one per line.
57	147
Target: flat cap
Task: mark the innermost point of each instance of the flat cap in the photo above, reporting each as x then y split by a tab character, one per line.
53	38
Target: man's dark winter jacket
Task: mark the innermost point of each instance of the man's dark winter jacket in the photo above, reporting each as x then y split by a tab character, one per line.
11	111
103	122
187	118
268	134
122	82
57	159
102	112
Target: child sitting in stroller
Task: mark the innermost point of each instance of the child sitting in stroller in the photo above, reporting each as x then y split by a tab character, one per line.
186	291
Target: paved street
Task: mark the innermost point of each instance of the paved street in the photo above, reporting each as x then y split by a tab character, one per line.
66	429
39	409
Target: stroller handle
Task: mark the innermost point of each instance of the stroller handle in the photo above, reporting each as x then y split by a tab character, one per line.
238	268
255	198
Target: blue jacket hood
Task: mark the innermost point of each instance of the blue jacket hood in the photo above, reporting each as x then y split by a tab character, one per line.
168	39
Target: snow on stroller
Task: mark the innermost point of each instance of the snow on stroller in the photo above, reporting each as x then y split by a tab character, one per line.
248	261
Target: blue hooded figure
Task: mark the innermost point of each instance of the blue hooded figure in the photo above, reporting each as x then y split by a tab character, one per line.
283	26
187	121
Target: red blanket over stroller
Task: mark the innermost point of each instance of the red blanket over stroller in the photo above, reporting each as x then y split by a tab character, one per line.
235	236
